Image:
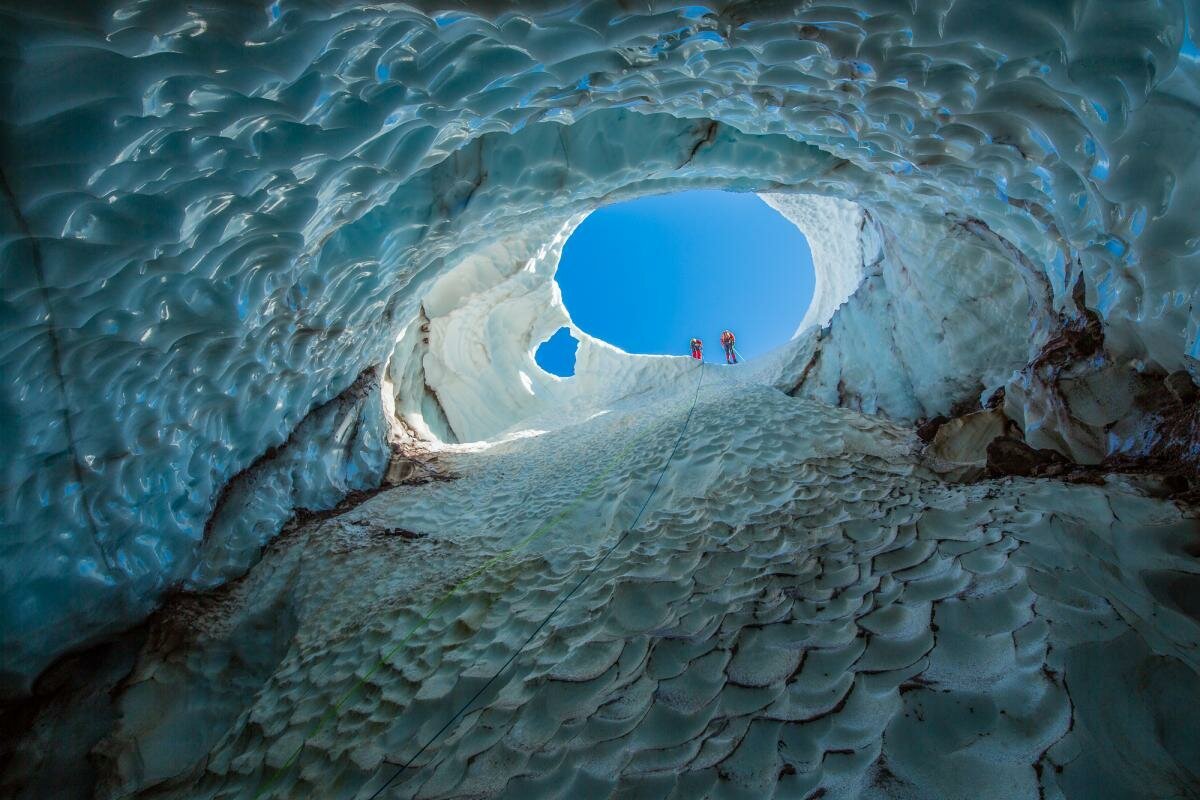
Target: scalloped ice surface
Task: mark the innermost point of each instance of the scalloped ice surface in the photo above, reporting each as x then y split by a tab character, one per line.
804	611
218	216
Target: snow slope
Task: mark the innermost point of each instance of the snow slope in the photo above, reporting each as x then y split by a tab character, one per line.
804	607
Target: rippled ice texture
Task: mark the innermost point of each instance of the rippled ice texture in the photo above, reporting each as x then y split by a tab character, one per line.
805	608
217	218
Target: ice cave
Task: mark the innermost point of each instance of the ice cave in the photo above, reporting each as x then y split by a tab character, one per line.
290	511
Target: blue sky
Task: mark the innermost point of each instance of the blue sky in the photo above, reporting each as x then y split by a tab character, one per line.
649	274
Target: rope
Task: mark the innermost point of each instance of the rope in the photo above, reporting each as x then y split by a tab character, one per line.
620	540
538	533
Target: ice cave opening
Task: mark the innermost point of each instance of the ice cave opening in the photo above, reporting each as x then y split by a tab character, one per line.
648	275
289	508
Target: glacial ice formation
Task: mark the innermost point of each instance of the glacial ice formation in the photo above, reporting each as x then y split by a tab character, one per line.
834	229
261	259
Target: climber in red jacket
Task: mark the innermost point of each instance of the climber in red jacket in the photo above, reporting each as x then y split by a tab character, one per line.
697	349
727	340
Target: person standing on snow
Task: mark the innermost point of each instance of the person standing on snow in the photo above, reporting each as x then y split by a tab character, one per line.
727	340
697	349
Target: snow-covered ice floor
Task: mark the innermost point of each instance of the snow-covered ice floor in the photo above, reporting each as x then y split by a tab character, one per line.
805	610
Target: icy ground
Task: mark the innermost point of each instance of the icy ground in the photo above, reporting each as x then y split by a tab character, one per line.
806	606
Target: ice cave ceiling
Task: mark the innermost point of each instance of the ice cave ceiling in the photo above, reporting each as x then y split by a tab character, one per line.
259	257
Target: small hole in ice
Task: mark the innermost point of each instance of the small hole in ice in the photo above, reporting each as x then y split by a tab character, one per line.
556	355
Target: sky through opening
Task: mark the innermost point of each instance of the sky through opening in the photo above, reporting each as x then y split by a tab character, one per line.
649	274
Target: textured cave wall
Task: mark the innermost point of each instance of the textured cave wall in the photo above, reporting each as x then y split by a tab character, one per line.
911	316
931	326
841	245
217	216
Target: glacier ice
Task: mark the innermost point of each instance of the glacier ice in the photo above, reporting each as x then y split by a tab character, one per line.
261	256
